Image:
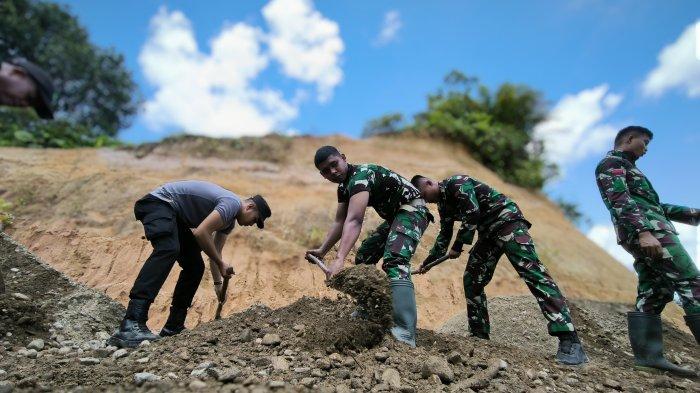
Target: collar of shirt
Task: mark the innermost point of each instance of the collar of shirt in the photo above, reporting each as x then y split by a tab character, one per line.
442	202
623	154
348	174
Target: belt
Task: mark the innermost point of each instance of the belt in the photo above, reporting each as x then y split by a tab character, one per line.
412	205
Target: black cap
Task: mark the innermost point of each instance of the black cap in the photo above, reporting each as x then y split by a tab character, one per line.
44	85
263	210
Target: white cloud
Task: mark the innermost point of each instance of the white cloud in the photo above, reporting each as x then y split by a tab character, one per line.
574	128
307	45
678	66
213	93
604	236
390	28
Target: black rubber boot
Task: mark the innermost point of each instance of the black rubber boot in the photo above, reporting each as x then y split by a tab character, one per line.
693	322
570	350
481	335
647	344
404	302
133	329
175	323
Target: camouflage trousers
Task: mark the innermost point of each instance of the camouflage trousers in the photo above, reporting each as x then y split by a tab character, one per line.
660	278
395	242
514	240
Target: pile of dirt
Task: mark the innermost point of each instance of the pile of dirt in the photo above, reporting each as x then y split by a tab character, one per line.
370	289
263	349
43	303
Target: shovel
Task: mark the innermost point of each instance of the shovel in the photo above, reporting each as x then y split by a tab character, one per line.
222	297
431	264
318	261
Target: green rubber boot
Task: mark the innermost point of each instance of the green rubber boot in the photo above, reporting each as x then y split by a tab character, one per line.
405	316
647	344
693	322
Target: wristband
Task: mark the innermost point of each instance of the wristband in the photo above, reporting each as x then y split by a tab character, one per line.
218	283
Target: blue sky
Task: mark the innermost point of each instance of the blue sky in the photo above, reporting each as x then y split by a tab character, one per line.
597	63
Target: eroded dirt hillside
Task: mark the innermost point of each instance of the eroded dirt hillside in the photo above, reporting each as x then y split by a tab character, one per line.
74	208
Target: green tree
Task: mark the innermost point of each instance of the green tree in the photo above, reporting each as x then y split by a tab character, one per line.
388	124
93	86
572	212
496	127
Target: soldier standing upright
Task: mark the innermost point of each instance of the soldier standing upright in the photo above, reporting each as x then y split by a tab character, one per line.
644	229
502	229
395	240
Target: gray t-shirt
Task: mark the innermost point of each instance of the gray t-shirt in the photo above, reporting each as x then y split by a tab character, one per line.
194	200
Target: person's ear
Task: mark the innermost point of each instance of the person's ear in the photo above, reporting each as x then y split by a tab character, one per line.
343	156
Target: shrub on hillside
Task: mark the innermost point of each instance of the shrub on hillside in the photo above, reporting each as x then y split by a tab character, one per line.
273	147
22	128
496	127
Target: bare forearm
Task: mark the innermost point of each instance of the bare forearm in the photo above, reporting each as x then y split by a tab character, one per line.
334	234
351	231
215	273
206	243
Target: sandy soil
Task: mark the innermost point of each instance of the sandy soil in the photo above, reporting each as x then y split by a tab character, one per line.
74	210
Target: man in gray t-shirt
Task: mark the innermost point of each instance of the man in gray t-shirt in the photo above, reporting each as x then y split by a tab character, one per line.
181	219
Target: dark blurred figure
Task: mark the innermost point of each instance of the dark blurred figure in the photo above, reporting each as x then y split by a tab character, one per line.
25	84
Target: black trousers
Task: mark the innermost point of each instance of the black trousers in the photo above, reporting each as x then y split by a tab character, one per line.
172	241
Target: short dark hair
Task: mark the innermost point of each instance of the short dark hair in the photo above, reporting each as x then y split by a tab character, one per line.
415	180
635	130
323	153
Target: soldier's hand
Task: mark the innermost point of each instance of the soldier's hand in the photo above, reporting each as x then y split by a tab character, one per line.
334	268
317	252
423	268
650	245
453	254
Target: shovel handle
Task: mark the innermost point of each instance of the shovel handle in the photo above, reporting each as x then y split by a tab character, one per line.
317	261
431	264
222	297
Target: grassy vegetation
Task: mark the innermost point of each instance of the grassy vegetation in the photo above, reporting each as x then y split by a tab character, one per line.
6	217
495	126
273	148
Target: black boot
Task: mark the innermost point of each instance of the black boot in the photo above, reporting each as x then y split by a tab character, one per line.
693	322
175	323
481	335
133	329
404	302
570	350
647	344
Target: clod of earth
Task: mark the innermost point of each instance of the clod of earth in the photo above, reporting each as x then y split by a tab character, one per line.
370	289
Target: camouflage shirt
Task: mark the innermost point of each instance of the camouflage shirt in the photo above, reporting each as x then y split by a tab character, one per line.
633	203
387	189
478	206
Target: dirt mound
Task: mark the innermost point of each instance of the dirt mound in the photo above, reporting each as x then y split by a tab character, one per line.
263	349
42	303
370	289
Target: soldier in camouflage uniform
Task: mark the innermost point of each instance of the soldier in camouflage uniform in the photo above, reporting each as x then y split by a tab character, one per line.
502	230
406	217
644	229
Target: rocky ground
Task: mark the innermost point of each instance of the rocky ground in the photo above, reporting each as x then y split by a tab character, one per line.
54	335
